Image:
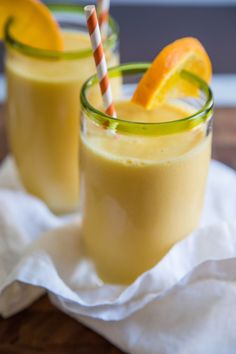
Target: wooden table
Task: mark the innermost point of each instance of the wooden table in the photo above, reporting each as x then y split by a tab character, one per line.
44	329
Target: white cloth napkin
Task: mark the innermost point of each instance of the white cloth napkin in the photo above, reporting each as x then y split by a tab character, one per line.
186	304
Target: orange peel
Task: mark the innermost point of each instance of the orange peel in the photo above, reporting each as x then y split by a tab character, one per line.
162	79
33	24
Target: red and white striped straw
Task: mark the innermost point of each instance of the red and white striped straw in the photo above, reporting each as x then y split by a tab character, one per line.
100	61
103	7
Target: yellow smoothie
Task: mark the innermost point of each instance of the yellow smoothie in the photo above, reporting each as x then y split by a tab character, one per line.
43	120
141	194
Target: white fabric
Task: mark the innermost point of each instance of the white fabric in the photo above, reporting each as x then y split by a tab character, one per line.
186	304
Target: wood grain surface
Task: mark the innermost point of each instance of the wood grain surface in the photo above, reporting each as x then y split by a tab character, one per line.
42	328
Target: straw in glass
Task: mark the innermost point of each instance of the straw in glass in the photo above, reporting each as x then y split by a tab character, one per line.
103	7
99	58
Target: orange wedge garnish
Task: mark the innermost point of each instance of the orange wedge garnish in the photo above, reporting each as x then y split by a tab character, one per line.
33	24
163	79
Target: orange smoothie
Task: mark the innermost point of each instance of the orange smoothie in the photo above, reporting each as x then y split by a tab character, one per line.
43	119
141	194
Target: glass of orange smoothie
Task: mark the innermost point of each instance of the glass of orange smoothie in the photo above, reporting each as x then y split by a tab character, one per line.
43	107
143	175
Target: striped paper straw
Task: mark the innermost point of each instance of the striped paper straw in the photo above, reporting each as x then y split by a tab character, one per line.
100	61
103	15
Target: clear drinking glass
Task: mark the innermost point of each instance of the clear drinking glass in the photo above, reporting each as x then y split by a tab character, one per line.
142	184
43	106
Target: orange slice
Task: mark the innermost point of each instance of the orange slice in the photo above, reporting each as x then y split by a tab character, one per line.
33	24
162	80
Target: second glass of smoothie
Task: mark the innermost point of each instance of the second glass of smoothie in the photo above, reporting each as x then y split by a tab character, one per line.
143	175
43	107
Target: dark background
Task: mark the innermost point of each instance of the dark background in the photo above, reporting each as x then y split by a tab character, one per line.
145	29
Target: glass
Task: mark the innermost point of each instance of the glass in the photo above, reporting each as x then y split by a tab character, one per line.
142	183
43	107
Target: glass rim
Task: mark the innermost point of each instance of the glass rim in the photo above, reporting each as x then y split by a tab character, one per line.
142	128
26	49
